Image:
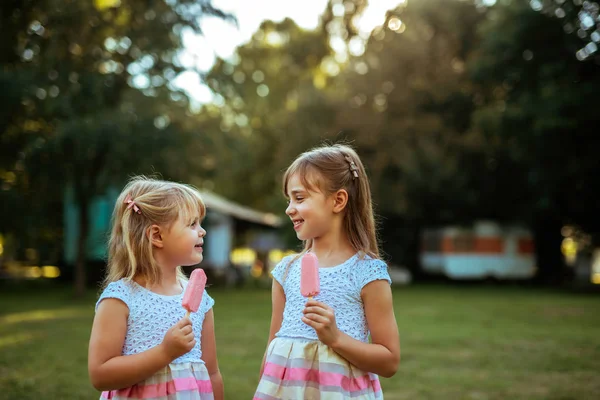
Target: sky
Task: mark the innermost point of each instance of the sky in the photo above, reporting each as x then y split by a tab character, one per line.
221	38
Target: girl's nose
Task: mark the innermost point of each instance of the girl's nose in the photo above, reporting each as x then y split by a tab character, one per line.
289	210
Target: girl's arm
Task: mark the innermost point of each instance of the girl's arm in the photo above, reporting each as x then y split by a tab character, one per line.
209	355
277	305
109	369
382	355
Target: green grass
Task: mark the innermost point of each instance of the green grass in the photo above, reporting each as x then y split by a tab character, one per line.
458	342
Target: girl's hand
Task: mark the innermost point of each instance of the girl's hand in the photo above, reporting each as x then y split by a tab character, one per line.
179	340
321	317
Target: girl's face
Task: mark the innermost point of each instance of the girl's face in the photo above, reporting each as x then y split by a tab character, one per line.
182	242
311	211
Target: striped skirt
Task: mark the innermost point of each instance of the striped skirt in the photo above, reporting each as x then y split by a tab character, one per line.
185	381
303	369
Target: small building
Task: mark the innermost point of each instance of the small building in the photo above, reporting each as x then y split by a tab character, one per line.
229	226
485	250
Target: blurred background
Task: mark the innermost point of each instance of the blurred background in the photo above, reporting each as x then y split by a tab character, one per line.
475	119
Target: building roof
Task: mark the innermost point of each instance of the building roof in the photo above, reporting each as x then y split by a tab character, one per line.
218	203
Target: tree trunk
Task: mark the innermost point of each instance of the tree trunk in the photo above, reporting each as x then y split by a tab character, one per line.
80	273
548	240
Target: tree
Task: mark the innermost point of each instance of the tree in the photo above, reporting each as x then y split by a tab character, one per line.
81	116
410	101
579	18
535	106
261	106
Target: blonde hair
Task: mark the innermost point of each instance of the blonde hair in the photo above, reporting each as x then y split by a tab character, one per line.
331	168
159	202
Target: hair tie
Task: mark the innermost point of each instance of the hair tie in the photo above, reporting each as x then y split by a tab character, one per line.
353	167
131	204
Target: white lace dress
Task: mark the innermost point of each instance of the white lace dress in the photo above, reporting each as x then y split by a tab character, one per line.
298	365
151	315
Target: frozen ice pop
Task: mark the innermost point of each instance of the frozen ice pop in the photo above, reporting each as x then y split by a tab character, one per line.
194	291
309	276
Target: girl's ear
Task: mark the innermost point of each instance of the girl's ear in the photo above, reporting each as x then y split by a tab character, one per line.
340	199
155	236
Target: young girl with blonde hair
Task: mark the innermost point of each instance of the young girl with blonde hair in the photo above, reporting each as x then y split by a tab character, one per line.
142	346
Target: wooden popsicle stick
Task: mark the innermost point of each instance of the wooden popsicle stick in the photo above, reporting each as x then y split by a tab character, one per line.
187	314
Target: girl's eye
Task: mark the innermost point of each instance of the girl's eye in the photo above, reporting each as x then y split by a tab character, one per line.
297	199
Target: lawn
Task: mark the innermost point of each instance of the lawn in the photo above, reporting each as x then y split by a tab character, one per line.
458	342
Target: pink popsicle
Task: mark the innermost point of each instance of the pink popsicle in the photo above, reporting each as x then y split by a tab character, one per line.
194	291
309	276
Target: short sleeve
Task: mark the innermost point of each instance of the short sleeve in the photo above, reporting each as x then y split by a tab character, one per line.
115	290
370	270
207	302
279	271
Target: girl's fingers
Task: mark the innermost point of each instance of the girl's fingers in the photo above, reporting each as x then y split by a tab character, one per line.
317	318
311	323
